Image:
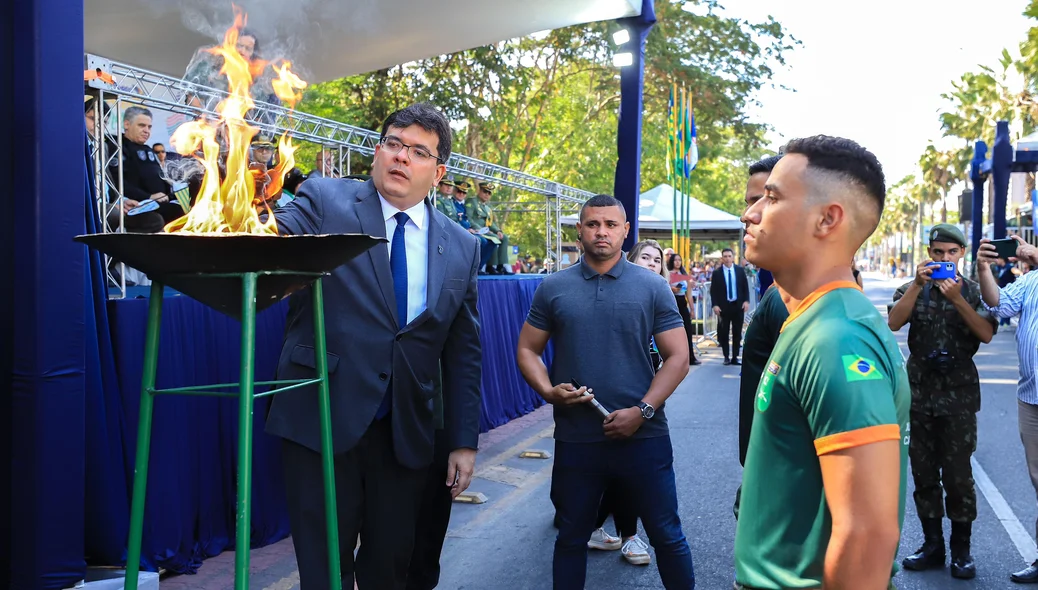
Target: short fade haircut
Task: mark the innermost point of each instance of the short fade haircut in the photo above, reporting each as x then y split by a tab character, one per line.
727	250
602	201
847	162
427	117
136	111
764	165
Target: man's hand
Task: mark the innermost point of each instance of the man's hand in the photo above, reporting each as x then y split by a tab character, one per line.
128	204
922	273
500	235
1025	252
986	256
623	423
565	394
717	310
951	288
745	306
159	197
460	465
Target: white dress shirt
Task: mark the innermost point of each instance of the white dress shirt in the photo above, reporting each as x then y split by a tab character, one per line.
416	241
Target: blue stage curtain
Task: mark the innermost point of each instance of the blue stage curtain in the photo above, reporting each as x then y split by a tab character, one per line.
107	491
190	508
191	479
47	393
503	305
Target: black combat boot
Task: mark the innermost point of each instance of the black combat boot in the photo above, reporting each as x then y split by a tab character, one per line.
931	554
961	561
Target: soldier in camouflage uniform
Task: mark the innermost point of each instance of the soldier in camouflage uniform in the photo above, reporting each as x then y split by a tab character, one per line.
482	215
949	321
444	197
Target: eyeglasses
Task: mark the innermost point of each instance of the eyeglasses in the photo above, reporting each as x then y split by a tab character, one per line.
419	154
158	152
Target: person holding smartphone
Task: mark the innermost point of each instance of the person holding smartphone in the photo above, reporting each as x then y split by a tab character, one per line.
1018	299
600	314
948	324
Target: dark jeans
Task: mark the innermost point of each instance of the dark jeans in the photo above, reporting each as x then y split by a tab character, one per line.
686	318
644	470
616	502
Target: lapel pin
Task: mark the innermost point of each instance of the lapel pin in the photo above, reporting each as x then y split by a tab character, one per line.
439	249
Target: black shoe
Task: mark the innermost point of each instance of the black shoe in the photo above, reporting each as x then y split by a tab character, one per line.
735	361
726	361
1028	575
962	566
931	554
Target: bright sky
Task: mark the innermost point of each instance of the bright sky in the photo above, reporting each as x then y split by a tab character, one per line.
874	71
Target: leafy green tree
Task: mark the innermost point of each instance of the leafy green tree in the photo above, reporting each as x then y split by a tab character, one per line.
547	105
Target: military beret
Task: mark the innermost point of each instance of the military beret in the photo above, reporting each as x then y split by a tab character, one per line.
462	185
946	232
487	186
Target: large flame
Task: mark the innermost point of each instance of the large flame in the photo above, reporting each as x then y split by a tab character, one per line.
231	205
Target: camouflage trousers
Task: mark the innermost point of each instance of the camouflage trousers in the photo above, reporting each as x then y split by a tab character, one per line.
940	450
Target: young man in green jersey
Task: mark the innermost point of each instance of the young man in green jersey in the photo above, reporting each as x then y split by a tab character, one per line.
823	490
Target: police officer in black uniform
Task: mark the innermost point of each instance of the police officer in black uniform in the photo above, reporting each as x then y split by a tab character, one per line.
142	173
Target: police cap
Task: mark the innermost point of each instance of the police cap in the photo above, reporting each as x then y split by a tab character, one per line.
488	187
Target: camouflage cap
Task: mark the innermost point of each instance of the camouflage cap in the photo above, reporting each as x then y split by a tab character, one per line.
946	232
488	187
462	185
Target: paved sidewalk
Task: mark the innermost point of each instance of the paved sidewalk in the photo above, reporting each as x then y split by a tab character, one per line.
274	567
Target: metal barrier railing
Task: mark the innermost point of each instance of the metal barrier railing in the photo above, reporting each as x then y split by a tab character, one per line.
704	311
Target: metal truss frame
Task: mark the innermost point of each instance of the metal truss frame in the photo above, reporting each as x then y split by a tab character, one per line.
151	89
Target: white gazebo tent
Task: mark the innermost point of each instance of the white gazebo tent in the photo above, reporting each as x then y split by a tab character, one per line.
656	218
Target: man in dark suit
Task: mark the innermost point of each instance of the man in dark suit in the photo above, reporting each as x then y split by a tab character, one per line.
730	293
392	314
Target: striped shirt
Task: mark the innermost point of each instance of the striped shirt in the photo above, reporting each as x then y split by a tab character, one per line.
1021	297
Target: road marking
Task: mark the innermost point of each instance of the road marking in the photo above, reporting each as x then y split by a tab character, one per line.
1017	533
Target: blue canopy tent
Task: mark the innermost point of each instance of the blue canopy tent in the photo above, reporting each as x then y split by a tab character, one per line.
67	419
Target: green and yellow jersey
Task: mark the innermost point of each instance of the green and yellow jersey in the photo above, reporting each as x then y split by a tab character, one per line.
835	380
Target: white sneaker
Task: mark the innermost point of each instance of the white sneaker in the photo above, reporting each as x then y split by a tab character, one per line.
603	541
636	552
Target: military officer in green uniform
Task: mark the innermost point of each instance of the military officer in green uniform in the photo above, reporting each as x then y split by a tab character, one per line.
948	323
482	215
444	197
460	214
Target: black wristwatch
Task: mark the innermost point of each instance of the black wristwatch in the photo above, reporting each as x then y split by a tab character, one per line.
647	410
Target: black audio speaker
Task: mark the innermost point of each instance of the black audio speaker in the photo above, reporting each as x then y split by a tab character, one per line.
966	206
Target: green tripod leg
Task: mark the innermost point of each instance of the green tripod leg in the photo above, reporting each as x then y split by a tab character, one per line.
327	452
140	468
243	531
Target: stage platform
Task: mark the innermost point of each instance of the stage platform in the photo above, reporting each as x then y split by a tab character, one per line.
190	511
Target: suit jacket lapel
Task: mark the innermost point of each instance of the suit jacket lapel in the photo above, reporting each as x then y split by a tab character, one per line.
439	248
369	213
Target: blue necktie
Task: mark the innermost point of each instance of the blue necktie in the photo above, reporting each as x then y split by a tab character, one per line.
731	284
398	266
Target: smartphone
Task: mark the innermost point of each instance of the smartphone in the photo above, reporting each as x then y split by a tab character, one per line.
594	402
942	270
1005	248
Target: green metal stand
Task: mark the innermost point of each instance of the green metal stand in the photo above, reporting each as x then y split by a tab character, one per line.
246	400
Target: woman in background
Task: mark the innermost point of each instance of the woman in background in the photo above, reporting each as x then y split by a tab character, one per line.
681	294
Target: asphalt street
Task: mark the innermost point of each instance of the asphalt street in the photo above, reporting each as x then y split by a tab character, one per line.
507	542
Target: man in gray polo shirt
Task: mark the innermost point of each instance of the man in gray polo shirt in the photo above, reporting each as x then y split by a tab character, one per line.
601	314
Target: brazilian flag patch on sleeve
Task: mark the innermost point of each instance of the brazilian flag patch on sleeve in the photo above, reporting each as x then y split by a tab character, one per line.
859	368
